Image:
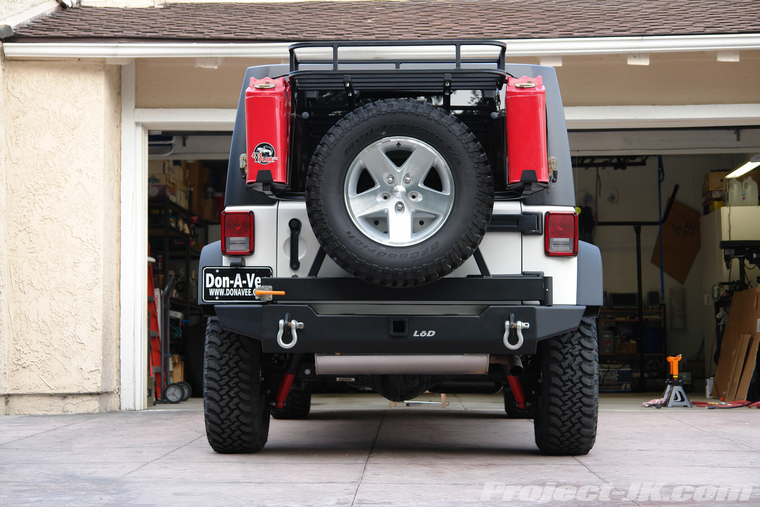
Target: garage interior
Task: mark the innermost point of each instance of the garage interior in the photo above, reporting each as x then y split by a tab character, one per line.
616	173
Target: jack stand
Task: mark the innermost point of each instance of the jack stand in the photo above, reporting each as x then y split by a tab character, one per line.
674	395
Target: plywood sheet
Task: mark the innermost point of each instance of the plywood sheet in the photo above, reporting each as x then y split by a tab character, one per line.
743	318
749	368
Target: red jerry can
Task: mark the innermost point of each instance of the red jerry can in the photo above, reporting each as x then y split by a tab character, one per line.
267	125
526	132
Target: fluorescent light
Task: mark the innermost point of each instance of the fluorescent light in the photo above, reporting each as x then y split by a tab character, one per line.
741	171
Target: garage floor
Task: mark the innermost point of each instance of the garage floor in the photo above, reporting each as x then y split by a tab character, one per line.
354	450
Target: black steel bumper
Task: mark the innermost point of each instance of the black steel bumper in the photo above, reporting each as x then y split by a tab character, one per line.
452	334
500	300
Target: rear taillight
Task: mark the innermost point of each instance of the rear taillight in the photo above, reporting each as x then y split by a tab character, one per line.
237	232
561	234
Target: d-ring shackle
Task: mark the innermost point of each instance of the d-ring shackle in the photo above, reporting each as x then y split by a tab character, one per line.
293	325
518	326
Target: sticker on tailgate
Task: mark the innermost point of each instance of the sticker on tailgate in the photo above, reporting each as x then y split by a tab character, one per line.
232	284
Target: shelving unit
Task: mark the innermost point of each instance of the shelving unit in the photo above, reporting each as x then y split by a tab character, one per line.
642	352
173	236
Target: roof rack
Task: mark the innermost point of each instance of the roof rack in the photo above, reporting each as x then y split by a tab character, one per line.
420	66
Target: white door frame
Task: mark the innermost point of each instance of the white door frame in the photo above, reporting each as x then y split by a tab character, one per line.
136	123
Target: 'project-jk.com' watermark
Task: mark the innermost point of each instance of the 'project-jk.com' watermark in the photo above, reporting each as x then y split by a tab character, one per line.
636	491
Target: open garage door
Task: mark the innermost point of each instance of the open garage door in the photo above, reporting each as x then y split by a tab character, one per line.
616	176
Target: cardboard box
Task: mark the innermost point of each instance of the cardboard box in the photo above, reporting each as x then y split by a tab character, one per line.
710	206
625	348
681	240
160	179
157	166
195	199
177	373
198	175
210	210
712	195
162	191
714	180
615	379
182	198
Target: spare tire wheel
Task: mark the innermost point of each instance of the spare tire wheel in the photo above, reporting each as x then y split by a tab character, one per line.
399	193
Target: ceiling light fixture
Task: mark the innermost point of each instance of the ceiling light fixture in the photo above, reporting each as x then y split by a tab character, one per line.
741	171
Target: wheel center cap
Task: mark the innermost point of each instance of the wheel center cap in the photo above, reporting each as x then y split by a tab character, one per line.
399	192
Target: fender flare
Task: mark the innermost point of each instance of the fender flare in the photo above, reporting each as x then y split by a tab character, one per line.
590	288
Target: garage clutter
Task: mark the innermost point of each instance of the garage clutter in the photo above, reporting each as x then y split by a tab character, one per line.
719	191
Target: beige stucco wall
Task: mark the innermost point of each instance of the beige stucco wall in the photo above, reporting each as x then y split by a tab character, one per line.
4	313
669	79
10	8
59	244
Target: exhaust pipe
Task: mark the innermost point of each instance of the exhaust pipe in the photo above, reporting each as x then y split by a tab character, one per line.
513	363
401	364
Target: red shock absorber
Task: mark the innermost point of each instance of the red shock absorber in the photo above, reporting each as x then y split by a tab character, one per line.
294	363
514	384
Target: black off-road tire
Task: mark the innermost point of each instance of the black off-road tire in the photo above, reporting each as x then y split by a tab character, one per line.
410	264
236	412
568	404
297	404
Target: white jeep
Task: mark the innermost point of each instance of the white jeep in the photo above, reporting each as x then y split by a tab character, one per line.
404	223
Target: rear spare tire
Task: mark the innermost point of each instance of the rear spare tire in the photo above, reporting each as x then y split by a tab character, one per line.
235	410
568	403
399	193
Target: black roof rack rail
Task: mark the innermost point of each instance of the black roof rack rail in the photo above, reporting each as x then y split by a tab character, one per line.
397	70
457	44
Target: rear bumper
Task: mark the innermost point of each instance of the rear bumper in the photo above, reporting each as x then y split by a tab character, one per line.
398	334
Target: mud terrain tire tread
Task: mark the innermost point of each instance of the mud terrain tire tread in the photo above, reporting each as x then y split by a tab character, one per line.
566	418
235	410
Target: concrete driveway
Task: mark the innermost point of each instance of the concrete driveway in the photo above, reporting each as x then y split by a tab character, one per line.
355	450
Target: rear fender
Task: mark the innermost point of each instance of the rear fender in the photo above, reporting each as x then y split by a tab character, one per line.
590	286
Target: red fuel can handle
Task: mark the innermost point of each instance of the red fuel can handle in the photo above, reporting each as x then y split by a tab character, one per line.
528	169
267	124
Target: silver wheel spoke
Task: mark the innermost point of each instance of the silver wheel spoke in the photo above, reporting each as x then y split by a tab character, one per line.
378	164
435	203
367	204
420	161
400	226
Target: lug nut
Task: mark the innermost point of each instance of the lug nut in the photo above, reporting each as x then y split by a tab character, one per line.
408	178
390	180
399	206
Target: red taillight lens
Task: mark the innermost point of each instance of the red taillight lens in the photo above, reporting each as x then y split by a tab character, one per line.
561	234
237	232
